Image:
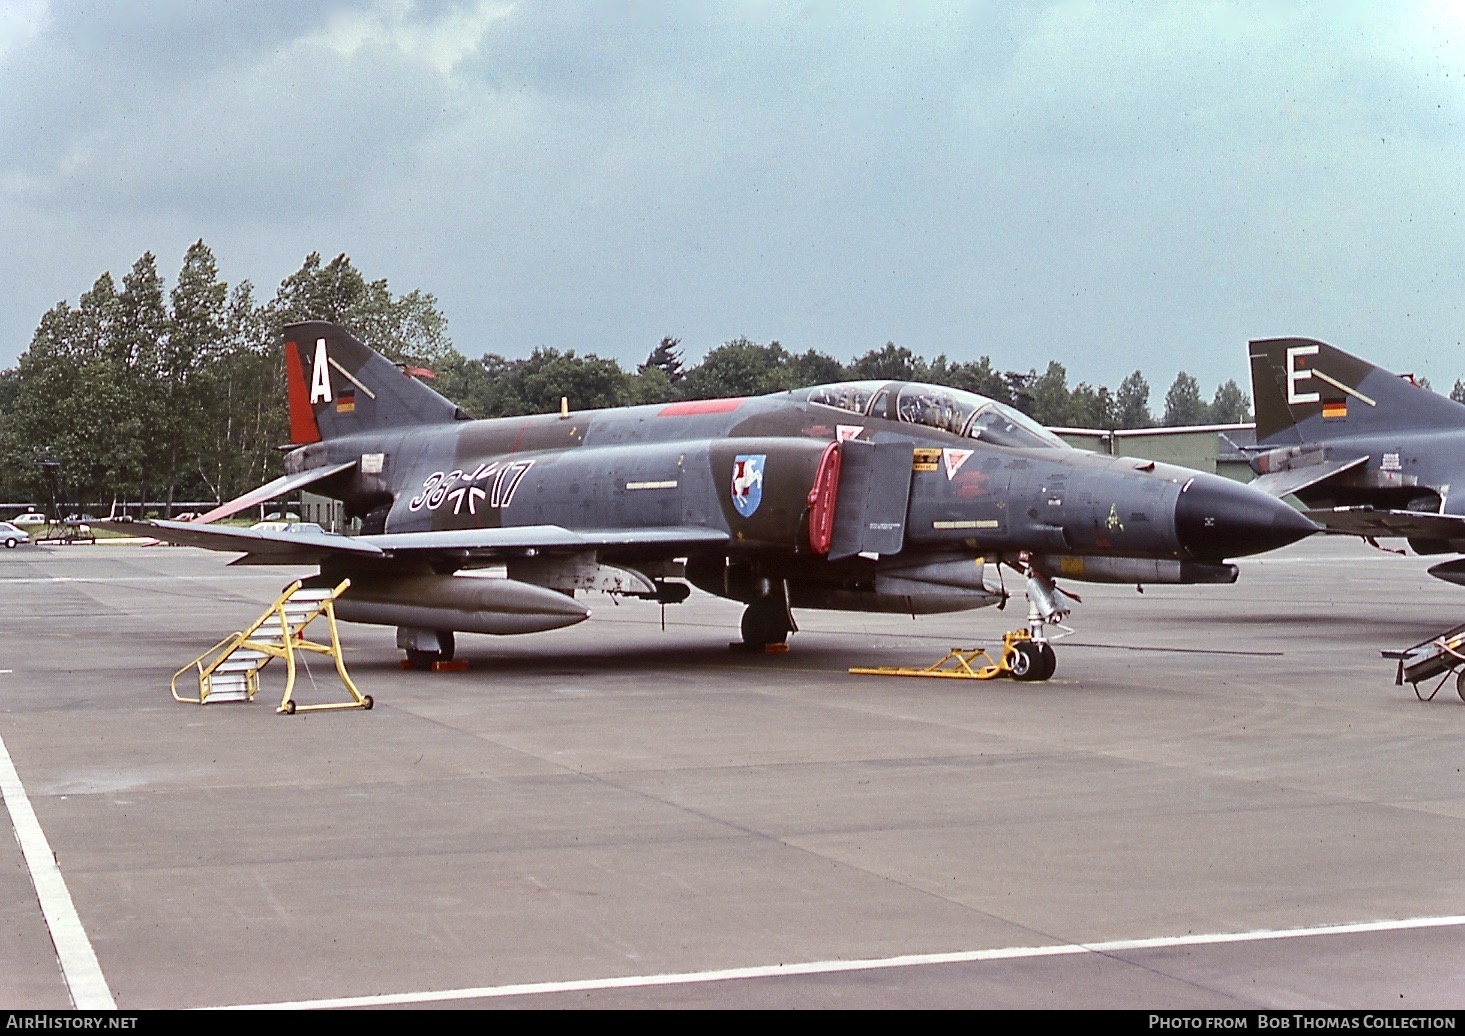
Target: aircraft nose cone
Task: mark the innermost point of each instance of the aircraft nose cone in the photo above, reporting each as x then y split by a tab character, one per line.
1216	518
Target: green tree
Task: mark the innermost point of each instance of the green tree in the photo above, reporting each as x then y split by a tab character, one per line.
1183	403
48	384
979	377
1230	405
739	368
536	385
141	334
245	388
1132	402
891	363
74	399
406	329
1050	395
814	368
195	340
1089	407
1457	393
667	358
651	385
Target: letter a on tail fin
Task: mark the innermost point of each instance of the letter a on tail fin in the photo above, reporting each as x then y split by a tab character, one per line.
338	386
1307	391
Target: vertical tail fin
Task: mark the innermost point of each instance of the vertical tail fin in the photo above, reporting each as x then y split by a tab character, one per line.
1307	391
338	386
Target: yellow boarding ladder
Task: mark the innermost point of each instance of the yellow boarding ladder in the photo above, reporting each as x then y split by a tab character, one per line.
229	671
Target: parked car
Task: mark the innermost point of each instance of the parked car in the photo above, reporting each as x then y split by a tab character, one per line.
31	518
13	535
306	527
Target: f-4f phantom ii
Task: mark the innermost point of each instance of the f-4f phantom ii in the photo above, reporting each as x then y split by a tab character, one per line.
863	496
1369	452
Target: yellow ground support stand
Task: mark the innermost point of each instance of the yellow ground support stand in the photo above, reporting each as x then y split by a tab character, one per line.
958	664
229	671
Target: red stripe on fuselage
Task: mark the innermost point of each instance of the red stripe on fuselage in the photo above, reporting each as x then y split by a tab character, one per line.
701	406
303	428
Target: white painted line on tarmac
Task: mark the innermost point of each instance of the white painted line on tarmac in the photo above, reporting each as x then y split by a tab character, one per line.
79	965
829	967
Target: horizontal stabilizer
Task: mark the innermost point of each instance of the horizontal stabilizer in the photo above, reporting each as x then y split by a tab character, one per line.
1290	480
278	546
1366	521
270	490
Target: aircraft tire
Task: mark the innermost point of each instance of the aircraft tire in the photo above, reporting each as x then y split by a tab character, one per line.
1460	685
1027	661
764	623
1049	658
422	659
449	646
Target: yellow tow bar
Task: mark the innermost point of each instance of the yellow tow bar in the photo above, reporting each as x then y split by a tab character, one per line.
964	663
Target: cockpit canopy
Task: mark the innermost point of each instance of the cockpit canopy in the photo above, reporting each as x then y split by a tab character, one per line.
935	406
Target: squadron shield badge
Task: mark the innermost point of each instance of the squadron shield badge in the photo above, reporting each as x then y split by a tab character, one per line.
747	482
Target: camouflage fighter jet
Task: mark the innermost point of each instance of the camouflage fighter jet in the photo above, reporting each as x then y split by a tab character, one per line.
1370	453
863	496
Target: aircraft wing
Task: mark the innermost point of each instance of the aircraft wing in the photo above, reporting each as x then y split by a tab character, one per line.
278	547
544	537
1365	521
1290	480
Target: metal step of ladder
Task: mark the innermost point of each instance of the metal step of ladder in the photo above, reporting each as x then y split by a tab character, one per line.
229	671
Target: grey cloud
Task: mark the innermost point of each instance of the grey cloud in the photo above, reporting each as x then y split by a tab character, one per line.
1108	186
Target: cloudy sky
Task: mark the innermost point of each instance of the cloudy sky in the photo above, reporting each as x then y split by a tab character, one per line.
1112	185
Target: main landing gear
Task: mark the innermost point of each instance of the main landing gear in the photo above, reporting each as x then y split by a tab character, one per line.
425	648
767	621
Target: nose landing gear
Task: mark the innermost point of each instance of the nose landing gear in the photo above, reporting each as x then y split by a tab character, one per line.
1027	654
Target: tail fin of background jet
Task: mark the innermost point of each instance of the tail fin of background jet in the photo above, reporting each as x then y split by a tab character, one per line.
1307	391
338	387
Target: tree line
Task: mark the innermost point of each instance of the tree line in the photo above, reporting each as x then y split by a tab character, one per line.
137	392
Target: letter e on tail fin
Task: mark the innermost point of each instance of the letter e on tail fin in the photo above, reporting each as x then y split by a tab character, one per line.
1308	391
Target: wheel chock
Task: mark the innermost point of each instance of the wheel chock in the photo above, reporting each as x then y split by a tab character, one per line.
450	666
